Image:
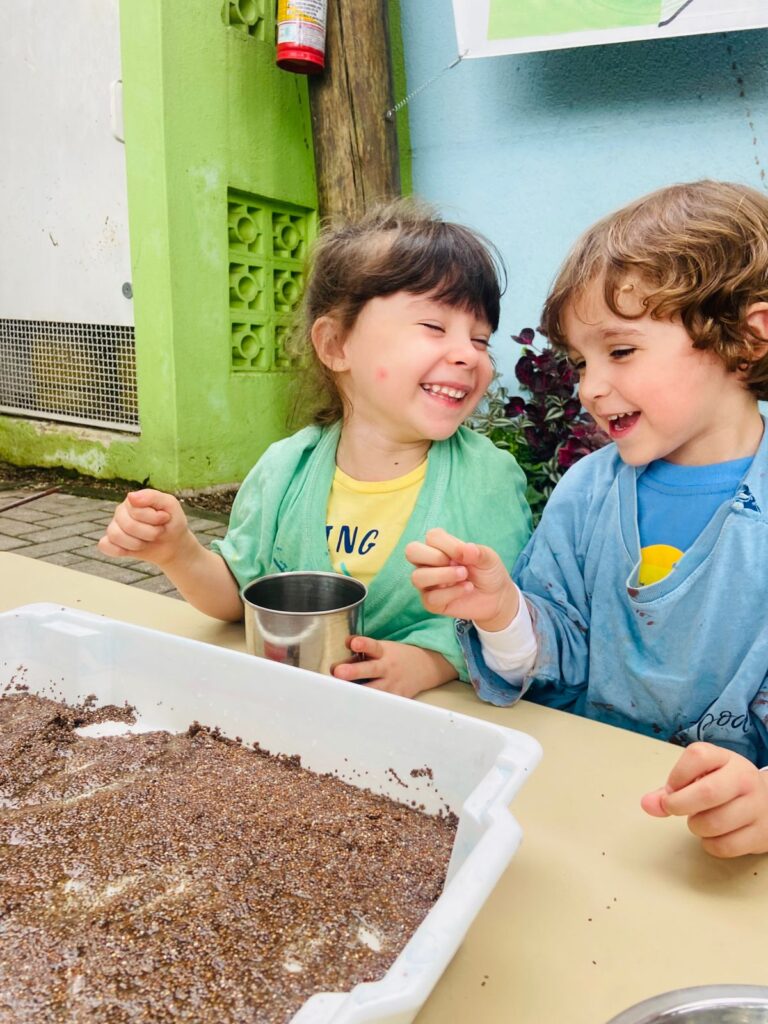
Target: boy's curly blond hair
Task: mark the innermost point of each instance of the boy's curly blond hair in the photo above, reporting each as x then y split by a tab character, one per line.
701	253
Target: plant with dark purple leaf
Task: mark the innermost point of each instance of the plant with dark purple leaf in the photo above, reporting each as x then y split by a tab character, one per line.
547	431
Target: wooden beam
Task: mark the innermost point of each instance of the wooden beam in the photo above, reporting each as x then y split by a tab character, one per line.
356	154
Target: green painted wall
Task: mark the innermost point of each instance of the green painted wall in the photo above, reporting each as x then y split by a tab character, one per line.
211	126
206	112
400	91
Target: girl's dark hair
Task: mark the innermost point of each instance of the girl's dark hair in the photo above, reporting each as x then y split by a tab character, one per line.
403	245
700	252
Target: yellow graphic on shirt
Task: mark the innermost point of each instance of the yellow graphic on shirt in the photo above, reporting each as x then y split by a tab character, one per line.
656	562
365	520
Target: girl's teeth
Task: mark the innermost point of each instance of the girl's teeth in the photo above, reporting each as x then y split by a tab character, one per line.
438	389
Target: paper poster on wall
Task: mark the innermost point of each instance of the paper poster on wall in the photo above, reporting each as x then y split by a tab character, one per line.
485	28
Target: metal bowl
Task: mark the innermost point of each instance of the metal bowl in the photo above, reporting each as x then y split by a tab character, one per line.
705	1004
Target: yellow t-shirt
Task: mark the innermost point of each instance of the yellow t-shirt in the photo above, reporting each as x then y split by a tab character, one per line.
366	519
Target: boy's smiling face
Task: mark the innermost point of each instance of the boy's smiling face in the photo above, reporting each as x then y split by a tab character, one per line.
652	392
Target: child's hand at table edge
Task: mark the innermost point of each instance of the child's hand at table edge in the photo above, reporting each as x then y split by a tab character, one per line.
723	795
403	669
465	580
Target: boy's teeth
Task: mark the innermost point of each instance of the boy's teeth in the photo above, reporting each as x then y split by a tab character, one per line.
440	389
619	422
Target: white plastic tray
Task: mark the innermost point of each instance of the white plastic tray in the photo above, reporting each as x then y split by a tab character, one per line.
365	737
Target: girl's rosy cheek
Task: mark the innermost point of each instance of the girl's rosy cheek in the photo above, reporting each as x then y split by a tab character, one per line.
381	373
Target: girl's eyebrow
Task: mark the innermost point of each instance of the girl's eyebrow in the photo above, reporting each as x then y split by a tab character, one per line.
428	300
419	304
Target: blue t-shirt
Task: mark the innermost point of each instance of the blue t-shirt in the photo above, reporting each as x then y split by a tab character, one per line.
674	504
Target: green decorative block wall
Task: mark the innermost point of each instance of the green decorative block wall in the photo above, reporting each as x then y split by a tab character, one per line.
268	244
249	16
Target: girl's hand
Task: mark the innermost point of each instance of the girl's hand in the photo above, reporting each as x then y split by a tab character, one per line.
467	581
148	524
723	795
397	668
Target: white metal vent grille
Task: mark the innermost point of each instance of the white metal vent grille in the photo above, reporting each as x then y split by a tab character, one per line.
77	373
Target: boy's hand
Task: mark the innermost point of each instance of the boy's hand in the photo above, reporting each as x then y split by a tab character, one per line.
397	668
467	581
723	795
148	524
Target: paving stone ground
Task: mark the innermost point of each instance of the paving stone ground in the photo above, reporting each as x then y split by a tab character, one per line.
64	529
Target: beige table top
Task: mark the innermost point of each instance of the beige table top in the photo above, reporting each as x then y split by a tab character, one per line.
601	906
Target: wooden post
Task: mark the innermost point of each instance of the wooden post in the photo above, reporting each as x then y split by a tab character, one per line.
356	155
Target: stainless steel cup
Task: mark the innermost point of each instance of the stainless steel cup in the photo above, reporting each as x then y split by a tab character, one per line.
303	618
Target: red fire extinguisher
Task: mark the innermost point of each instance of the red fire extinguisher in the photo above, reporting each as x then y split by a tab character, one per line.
301	35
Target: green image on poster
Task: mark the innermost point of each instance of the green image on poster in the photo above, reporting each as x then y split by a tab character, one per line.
514	19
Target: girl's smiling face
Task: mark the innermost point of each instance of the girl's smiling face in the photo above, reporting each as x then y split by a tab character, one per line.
413	368
651	391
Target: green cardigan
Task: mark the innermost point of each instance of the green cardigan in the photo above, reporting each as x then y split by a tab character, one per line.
471	488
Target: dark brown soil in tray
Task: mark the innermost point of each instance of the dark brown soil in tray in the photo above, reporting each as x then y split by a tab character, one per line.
165	878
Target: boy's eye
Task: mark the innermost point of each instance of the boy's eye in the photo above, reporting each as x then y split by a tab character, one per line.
482	342
431	326
621	353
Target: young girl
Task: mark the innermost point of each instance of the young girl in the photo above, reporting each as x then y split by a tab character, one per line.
398	313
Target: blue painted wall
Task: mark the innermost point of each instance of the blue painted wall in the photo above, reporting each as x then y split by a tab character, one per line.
532	149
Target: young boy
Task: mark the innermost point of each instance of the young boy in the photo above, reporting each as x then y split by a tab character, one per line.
646	583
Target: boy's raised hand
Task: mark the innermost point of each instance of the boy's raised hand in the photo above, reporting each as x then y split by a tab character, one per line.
148	524
465	580
724	797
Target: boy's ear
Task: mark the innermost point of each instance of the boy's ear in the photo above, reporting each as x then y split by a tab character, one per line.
328	342
757	320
